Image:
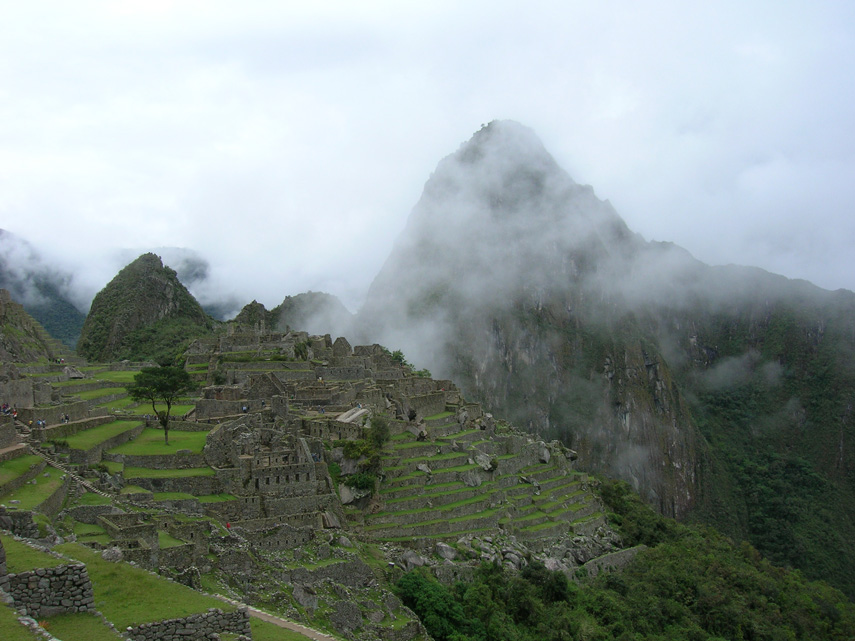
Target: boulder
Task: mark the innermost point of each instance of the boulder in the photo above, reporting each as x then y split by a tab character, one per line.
446	551
113	555
306	596
412	560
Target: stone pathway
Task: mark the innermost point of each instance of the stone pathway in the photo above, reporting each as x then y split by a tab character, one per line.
309	633
290	625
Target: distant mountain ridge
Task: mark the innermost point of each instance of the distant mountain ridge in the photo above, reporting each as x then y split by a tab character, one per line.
42	289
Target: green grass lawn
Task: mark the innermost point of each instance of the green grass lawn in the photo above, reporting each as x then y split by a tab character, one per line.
119	404
14	631
98	393
134	489
31	496
264	631
94	435
129	596
177	410
113	467
172	496
147	473
80	626
216	498
90	498
166	540
116	376
22	558
150	442
87	529
13	468
439	415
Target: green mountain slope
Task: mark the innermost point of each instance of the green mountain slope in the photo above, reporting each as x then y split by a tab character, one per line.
144	313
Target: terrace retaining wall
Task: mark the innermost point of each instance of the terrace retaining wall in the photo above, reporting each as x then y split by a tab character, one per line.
161	461
95	454
195	627
48	591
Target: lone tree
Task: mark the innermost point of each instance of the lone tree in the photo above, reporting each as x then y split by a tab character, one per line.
160	385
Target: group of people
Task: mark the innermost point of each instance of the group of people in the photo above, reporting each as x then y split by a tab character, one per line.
8	410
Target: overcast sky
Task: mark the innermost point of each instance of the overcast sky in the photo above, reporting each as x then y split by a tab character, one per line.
287	142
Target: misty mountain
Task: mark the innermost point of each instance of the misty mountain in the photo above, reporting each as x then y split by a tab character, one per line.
144	312
194	272
42	289
715	391
315	312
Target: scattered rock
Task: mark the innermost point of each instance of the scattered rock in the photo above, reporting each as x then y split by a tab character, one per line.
412	560
446	551
306	596
114	555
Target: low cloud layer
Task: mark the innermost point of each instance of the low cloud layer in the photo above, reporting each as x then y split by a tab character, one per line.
286	144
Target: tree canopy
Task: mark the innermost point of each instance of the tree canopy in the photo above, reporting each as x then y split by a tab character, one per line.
161	385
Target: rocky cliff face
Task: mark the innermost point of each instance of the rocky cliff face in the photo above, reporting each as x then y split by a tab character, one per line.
512	279
144	295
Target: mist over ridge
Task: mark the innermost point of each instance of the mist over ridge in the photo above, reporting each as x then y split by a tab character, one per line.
533	294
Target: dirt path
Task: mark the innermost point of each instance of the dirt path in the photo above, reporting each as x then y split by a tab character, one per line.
290	625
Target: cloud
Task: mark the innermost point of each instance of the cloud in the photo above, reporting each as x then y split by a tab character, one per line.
286	143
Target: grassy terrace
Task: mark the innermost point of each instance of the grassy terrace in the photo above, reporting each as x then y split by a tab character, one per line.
31	496
438	416
129	596
117	376
12	469
436	509
95	435
146	473
166	540
216	498
150	442
98	393
118	404
459	519
12	630
80	626
22	558
405	488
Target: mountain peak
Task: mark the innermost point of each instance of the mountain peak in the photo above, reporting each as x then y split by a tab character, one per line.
143	294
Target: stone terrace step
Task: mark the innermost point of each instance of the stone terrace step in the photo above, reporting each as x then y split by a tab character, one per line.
488	519
458	509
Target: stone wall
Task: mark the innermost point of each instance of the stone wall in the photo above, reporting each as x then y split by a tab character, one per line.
60	431
48	591
94	454
281	537
425	404
195	627
19	523
343	373
90	513
179	557
195	485
8	434
18	393
30	474
53	504
213	409
162	461
331	429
